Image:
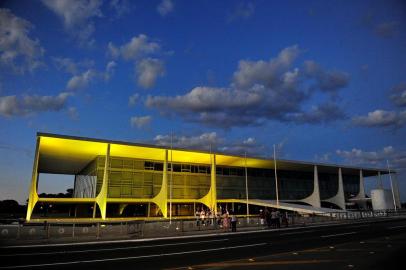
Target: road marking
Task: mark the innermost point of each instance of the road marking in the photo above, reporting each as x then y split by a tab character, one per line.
120	241
395	227
338	234
289	233
109	249
130	258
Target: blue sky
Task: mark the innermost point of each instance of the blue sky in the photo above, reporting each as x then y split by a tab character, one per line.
324	80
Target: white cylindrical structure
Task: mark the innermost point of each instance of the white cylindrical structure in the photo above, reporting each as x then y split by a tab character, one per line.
382	199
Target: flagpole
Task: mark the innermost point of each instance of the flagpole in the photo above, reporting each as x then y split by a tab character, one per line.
246	186
171	183
276	176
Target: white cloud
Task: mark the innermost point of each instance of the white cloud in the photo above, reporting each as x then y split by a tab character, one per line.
266	73
399	94
82	80
136	48
212	141
121	7
132	100
148	70
140	121
396	157
71	66
165	7
203	141
242	11
77	16
17	50
261	90
29	104
381	118
110	68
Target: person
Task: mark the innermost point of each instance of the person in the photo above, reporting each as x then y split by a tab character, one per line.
268	218
202	216
233	222
278	219
273	218
225	221
262	217
197	215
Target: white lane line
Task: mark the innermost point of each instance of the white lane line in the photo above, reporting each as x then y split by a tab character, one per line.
338	234
174	237
109	249
395	227
130	258
289	233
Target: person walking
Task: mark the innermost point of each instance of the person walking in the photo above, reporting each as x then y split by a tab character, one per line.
225	221
278	219
233	222
273	218
268	218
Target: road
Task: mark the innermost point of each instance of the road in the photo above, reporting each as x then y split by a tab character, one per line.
371	245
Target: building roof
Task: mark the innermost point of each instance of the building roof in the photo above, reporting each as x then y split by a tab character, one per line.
65	154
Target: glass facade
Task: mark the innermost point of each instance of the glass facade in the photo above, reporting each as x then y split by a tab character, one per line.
328	185
137	178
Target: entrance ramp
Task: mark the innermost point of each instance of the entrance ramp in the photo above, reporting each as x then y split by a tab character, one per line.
305	209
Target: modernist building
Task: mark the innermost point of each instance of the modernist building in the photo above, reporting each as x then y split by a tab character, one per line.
121	179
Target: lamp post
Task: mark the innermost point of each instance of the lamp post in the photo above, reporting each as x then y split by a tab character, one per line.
246	186
276	176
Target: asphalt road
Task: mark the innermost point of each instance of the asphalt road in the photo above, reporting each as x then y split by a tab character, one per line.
372	245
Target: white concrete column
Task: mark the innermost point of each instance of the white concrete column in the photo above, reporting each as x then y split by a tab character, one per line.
361	193
396	190
314	198
339	198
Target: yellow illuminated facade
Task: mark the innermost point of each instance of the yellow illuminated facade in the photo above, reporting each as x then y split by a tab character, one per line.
115	176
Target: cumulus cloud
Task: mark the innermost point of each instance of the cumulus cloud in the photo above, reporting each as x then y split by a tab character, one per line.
204	141
165	7
212	141
132	100
121	7
140	121
30	104
242	11
136	48
77	17
323	113
110	68
260	91
328	81
17	50
71	66
148	70
399	95
356	156
82	80
381	118
139	49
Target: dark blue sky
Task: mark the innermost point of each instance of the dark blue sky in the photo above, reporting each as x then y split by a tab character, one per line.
324	80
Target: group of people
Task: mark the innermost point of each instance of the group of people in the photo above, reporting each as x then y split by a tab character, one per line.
224	219
273	218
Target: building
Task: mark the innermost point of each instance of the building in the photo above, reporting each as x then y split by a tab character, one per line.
116	180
